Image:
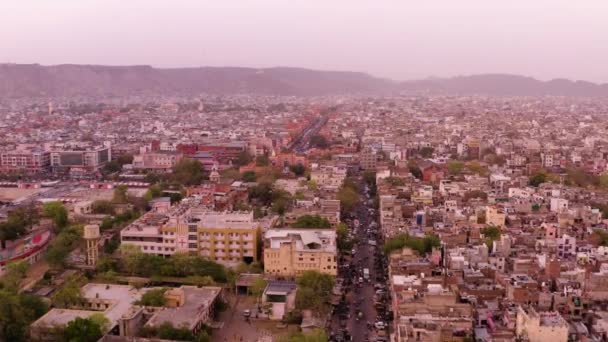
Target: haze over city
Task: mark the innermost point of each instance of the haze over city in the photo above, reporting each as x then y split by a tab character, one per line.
398	40
303	171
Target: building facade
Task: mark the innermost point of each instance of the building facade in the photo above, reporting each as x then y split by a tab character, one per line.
290	252
226	237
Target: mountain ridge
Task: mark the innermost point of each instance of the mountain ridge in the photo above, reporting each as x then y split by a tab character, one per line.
69	80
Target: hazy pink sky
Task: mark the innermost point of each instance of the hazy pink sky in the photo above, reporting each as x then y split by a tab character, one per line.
399	39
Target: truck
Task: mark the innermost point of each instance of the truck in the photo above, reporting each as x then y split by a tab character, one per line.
366	273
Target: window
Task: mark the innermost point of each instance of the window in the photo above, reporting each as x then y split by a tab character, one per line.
192	245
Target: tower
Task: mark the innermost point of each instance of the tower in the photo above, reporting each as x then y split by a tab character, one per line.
91	235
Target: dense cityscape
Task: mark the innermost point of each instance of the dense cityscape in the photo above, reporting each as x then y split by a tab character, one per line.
337	218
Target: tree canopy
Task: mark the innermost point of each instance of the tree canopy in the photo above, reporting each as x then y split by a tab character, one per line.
422	245
154	297
311	221
56	211
314	291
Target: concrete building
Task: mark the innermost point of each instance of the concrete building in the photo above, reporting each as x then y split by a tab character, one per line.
156	161
495	216
369	159
226	237
289	252
281	296
25	159
79	158
540	327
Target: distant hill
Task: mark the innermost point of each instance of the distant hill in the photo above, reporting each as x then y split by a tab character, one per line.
504	85
68	80
32	80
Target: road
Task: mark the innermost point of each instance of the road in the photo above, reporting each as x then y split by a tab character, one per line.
302	143
357	313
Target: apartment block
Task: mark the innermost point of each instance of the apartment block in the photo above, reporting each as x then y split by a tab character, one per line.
25	159
289	252
226	237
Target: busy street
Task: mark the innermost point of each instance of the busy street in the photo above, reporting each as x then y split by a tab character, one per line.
363	314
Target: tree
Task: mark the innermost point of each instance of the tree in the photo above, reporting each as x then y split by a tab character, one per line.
311	221
319	141
537	179
258	287
154	191
243	158
348	198
415	171
491	234
455	167
342	240
14	274
477	168
168	332
101	320
82	330
298	169
56	211
120	195
249	176
63	244
154	297
422	245
262	160
131	257
17	312
314	290
102	207
187	172
426	152
69	295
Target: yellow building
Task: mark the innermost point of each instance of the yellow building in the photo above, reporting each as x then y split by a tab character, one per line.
289	252
225	237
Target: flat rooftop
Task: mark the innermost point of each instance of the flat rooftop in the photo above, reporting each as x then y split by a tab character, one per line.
196	300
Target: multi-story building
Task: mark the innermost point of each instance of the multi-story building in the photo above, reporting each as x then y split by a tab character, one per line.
156	161
289	252
79	158
328	176
369	159
25	159
544	326
226	237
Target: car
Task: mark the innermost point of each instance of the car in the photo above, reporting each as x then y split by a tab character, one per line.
379	325
247	313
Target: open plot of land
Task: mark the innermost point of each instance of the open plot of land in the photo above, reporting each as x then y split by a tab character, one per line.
12	194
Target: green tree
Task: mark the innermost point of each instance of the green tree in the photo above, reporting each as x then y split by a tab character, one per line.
249	176
17	312
120	195
154	191
415	171
319	141
426	152
168	332
314	291
69	295
187	172
82	330
348	198
477	168
342	240
455	167
311	221
262	160
102	207
131	257
14	274
491	234
258	287
63	244
101	320
298	169
56	211
154	297
243	158
537	179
